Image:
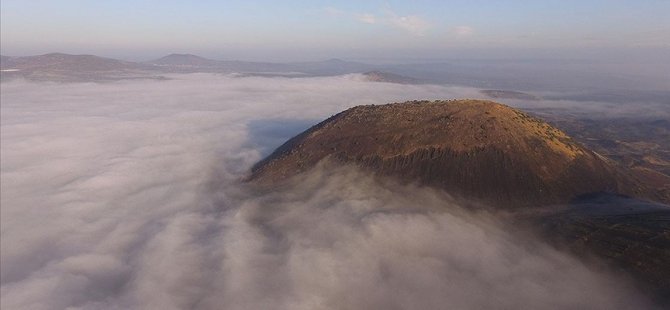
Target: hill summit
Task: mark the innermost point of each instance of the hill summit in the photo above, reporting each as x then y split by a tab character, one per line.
475	149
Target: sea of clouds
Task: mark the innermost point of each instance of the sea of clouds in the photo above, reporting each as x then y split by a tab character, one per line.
128	195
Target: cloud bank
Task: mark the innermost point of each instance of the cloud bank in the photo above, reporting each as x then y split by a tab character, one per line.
126	195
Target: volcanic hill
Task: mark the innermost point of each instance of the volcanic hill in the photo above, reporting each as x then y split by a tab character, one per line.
474	149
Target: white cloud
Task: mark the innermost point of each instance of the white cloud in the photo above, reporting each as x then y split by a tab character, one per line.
463	31
331	11
367	18
126	195
413	24
410	23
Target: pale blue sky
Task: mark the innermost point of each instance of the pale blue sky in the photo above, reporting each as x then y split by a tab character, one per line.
291	30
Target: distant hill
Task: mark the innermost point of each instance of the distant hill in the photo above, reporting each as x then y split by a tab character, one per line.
331	67
194	63
508	94
66	67
60	61
475	149
5	59
387	77
309	68
189	60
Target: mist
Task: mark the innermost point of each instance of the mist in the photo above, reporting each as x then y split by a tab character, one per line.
129	195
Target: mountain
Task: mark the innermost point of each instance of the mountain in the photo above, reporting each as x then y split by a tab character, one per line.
479	150
66	67
508	94
333	66
308	68
5	59
627	234
186	60
73	68
193	63
60	61
387	77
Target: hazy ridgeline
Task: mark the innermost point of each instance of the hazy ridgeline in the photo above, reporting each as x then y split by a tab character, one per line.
128	195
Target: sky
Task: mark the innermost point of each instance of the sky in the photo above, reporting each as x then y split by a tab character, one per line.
301	29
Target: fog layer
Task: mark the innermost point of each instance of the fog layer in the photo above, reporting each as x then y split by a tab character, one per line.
128	195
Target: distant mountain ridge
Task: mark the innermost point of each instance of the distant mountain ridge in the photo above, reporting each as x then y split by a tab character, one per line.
66	67
62	61
509	94
184	60
387	77
494	75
